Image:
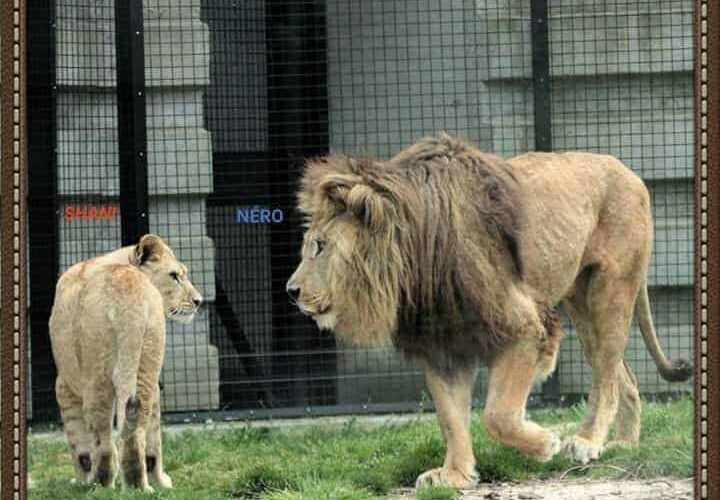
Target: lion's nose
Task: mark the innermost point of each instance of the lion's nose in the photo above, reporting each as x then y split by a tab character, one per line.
197	301
293	291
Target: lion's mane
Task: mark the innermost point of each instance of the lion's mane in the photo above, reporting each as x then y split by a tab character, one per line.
439	247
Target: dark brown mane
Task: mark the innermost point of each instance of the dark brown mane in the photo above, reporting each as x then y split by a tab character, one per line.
468	218
449	216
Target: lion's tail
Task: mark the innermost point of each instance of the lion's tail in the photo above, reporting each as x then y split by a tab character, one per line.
676	370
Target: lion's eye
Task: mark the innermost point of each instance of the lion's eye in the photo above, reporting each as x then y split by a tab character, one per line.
319	247
175	276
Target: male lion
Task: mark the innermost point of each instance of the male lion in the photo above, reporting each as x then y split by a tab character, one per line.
458	258
107	330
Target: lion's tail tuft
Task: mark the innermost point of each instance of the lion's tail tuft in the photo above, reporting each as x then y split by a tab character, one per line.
676	370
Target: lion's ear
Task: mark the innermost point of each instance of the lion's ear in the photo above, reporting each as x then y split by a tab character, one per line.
335	189
339	184
368	205
149	249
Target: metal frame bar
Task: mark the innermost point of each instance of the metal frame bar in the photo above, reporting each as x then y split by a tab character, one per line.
43	239
298	128
539	30
132	135
350	409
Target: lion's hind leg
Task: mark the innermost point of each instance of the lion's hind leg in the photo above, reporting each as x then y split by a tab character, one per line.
627	420
512	375
78	435
602	317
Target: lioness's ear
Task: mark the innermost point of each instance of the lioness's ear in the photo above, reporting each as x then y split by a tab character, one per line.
149	249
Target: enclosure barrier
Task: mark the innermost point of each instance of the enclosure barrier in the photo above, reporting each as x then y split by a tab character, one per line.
193	119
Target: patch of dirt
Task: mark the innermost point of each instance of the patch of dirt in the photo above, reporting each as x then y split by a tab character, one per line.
625	489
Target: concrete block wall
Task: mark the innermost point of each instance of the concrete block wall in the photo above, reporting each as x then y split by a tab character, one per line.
398	71
621	84
179	161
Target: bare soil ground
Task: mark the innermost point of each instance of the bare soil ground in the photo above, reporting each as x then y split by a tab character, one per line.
626	489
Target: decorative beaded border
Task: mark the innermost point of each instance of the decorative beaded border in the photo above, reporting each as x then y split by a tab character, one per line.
701	250
14	353
14	19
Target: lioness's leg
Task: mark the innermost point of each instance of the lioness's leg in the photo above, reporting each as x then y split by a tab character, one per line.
611	302
512	375
78	436
452	396
98	400
153	453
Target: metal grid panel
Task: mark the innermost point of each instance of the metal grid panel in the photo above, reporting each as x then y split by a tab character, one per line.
622	84
239	94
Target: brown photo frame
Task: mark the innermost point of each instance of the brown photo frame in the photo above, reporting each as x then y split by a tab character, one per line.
707	250
13	351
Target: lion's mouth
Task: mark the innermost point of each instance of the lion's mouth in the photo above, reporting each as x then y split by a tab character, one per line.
313	313
182	314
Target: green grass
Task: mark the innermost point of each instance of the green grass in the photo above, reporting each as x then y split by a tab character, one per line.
353	462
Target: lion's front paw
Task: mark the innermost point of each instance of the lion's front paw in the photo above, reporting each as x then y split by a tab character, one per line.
580	449
444	477
162	480
553	448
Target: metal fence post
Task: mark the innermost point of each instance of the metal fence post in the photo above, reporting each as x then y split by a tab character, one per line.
43	246
541	74
297	129
132	136
542	119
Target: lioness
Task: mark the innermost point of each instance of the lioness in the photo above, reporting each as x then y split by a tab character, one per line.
458	258
107	330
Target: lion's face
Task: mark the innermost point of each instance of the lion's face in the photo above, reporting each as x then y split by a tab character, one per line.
181	300
351	272
326	256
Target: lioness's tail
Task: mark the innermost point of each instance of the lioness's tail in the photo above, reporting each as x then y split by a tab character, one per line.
676	370
130	420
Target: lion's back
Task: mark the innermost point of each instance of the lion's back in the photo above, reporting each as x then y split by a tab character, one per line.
94	312
571	201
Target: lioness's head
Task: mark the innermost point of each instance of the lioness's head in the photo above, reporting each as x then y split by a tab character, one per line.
350	277
155	258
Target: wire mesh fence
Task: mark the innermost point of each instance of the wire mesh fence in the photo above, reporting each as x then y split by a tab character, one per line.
230	97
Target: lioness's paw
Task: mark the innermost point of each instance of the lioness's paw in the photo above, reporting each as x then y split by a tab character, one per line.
162	480
443	477
580	449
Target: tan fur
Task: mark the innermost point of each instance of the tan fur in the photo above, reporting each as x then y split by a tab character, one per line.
107	330
458	258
